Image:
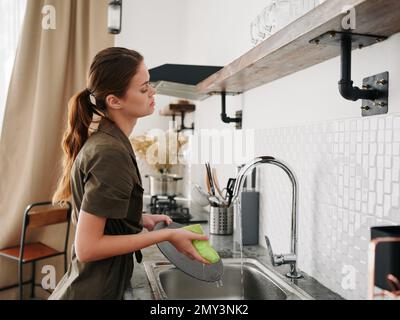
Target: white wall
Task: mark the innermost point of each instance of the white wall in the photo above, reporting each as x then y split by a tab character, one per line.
155	29
348	180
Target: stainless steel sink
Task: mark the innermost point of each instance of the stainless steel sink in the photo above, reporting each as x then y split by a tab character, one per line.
255	282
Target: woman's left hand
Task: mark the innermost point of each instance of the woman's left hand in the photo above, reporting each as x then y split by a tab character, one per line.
150	220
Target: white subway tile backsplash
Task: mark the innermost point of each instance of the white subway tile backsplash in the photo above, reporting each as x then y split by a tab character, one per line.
396	123
373	149
381	136
370	160
388	135
381	148
379	211
349	180
379	161
372	136
389	148
396	136
388	181
388	160
364	206
380	173
388	125
395	174
381	122
371	202
387	205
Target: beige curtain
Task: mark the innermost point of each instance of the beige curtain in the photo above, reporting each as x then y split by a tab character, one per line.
50	66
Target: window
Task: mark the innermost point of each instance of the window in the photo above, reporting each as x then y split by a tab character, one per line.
11	17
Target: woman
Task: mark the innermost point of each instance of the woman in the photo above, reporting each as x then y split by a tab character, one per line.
102	177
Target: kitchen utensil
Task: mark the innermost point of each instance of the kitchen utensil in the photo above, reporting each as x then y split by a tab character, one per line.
215	201
208	168
221	196
163	184
210	273
205	198
229	189
221	220
200	196
208	184
214	175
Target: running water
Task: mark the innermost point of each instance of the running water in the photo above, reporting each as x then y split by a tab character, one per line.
219	283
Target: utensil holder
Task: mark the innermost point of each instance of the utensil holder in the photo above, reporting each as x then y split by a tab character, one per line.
221	220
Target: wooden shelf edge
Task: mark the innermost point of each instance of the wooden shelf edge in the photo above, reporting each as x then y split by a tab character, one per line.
177	108
288	50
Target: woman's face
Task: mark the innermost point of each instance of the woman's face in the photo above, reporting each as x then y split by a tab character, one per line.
139	98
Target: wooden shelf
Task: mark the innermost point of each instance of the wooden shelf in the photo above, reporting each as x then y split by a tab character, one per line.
177	108
288	50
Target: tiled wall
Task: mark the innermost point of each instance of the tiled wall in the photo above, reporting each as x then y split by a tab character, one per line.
349	180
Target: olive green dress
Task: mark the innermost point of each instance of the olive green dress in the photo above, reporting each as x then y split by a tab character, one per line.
106	182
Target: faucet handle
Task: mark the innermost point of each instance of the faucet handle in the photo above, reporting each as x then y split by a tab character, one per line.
275	259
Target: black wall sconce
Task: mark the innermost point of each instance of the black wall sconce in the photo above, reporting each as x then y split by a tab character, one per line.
114	16
375	89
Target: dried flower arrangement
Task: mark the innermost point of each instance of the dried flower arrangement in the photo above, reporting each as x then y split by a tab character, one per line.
160	151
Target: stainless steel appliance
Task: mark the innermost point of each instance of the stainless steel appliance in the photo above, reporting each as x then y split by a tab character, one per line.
178	209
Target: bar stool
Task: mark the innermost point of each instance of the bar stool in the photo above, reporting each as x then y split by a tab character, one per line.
32	252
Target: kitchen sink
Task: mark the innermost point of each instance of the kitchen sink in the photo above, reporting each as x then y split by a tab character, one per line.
246	279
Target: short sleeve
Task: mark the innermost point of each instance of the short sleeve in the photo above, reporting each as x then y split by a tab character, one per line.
108	184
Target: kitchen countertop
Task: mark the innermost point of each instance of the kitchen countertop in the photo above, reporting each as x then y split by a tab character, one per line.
224	244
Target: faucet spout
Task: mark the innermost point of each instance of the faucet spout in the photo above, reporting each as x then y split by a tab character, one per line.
276	260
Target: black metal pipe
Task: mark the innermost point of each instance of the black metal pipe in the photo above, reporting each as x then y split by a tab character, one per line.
345	57
224	117
346	88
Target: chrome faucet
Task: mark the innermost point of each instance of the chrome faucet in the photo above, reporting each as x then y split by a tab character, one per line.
276	259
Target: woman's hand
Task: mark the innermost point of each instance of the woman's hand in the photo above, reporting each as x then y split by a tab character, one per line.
150	220
182	240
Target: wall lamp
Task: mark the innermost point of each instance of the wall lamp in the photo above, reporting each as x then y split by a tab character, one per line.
114	16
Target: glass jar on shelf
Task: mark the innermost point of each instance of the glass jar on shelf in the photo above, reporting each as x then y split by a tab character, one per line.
276	15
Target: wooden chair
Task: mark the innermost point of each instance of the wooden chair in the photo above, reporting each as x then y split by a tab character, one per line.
32	252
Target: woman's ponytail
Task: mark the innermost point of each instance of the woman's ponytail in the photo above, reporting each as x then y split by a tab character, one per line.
80	115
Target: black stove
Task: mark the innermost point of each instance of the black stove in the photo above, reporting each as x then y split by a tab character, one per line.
167	205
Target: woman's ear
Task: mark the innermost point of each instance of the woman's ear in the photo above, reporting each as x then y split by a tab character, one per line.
113	102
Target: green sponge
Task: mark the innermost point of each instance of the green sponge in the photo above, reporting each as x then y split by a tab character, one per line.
203	247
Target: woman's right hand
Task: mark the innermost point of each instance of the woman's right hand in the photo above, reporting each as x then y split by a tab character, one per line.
182	240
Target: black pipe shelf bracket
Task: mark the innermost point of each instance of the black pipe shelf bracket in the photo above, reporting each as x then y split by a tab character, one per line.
375	89
182	125
224	117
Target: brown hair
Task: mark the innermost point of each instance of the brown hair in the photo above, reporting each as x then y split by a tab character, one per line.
110	73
